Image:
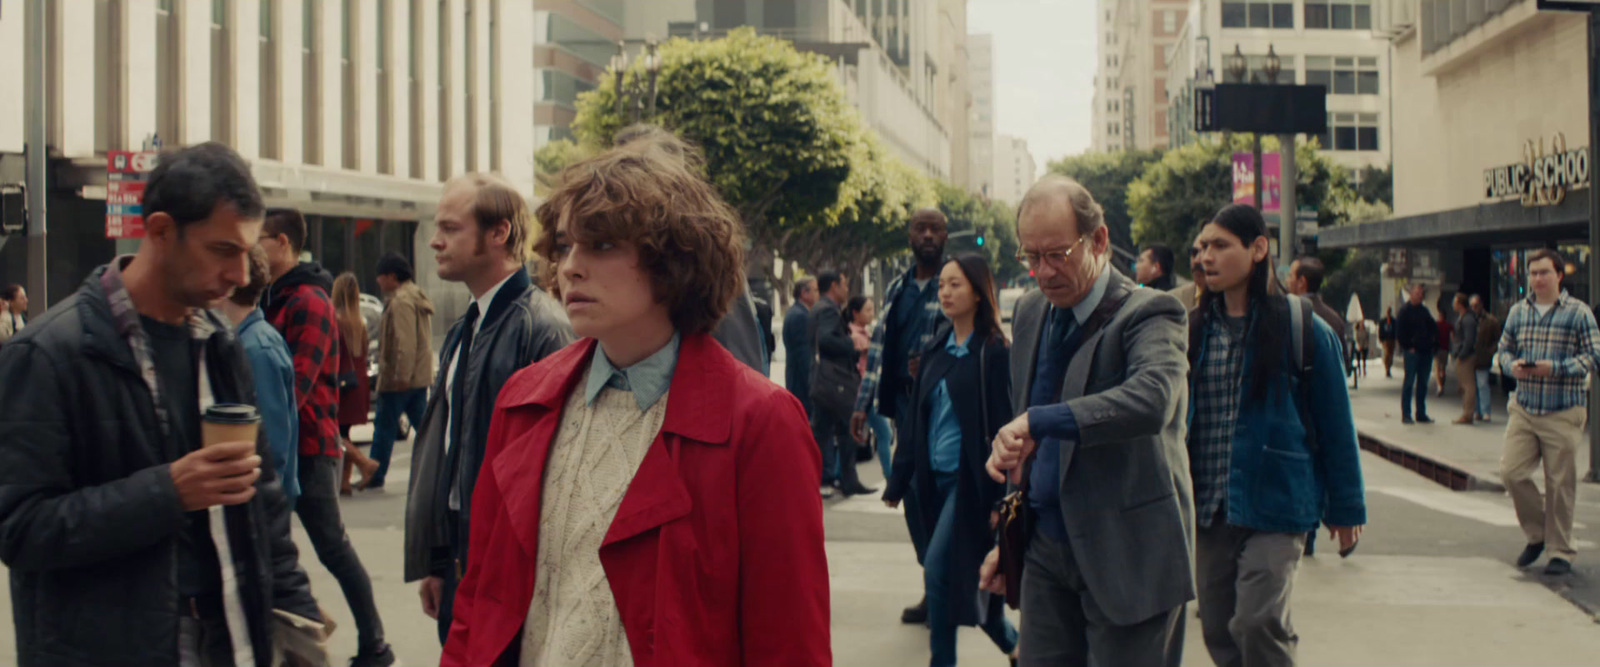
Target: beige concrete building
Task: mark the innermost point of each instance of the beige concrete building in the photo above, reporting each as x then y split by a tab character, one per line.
980	136
1490	146
1131	91
354	111
1340	44
1014	169
574	41
902	63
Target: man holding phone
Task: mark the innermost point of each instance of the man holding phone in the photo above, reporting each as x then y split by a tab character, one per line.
107	496
1551	345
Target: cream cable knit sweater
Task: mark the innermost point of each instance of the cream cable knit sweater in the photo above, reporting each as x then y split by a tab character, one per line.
573	620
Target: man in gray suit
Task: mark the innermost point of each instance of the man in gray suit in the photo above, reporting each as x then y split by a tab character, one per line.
1099	369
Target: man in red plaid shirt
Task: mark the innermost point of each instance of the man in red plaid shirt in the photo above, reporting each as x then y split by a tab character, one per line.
297	304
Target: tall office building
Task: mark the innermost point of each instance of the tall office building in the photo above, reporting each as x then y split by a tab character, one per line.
573	42
980	137
1340	44
1131	102
1014	169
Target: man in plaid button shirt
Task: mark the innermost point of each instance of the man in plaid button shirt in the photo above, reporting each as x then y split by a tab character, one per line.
1551	345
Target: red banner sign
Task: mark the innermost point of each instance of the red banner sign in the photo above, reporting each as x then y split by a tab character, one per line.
126	173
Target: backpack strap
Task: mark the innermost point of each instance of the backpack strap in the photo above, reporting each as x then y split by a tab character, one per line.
1301	325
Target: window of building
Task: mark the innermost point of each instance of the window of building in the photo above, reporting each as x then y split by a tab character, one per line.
1351	132
311	84
1343	76
1169	21
779	14
166	72
221	75
271	148
385	87
351	98
414	86
1339	14
1257	14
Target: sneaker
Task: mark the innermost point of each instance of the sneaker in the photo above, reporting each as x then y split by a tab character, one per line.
1424	420
383	658
827	492
1558	567
1530	554
1407	421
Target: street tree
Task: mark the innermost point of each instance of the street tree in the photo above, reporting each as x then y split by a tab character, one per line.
1107	176
1179	193
993	221
777	132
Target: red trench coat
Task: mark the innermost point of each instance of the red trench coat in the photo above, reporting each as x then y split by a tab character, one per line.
715	556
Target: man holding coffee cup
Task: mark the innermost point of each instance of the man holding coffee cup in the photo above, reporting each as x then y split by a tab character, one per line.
134	533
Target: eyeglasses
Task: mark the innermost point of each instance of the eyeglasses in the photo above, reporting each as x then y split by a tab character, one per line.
1057	258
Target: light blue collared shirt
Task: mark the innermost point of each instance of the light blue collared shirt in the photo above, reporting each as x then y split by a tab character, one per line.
944	436
648	379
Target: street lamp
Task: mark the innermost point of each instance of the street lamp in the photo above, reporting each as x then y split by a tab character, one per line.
632	97
1237	64
1274	65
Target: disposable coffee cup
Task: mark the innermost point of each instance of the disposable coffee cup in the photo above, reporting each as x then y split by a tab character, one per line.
229	422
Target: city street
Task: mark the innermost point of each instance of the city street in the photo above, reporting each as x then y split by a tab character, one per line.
1431	584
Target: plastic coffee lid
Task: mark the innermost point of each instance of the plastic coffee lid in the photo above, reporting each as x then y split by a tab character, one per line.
232	413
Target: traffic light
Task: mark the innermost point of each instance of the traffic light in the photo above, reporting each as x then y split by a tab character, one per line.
980	240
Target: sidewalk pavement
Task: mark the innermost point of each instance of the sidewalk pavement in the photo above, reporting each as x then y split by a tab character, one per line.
1472	451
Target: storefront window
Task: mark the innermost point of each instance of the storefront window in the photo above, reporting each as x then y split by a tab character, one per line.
1511	275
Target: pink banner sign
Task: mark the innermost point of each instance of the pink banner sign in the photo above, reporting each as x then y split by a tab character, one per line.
1244	181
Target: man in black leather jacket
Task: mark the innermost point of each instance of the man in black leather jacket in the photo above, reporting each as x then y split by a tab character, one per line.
482	237
105	490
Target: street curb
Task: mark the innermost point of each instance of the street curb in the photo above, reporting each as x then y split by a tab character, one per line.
1440	471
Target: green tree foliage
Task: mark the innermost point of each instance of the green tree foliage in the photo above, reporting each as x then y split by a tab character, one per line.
994	221
1377	185
1176	195
773	122
553	157
1107	176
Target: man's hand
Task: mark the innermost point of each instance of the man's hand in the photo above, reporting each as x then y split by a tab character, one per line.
858	427
1347	535
914	364
989	578
891	504
1539	369
1013	445
222	474
432	592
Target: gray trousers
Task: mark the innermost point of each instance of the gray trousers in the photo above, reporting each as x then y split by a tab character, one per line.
1062	625
1245	579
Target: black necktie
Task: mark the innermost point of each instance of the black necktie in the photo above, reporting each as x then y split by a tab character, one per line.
458	386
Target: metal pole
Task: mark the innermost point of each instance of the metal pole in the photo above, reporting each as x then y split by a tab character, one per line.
37	157
1288	217
1256	168
1594	229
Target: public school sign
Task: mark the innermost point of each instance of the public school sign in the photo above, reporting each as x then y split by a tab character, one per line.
1543	178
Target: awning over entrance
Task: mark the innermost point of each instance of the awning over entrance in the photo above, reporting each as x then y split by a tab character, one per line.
1496	224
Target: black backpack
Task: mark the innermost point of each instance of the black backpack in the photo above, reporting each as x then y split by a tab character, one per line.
1302	327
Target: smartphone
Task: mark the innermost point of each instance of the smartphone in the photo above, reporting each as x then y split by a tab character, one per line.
1527	364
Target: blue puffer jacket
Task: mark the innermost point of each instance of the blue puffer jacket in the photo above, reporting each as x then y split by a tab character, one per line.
1275	482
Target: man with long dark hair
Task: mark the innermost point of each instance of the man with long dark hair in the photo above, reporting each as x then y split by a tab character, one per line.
1098	366
1272	446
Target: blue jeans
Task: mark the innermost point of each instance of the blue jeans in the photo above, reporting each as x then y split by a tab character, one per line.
937	578
1418	366
391	404
1485	394
884	435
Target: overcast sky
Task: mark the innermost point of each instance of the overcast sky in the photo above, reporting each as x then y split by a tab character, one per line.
1044	56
